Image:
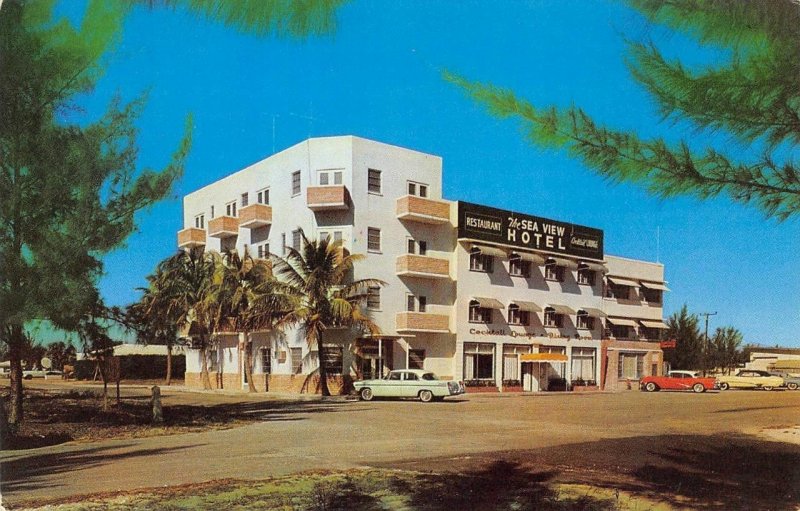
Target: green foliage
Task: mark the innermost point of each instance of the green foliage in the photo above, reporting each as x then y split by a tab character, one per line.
688	352
292	18
755	97
61	353
726	349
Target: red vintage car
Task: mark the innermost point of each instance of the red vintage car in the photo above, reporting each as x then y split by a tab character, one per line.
678	380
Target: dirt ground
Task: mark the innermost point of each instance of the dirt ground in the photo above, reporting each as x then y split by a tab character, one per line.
696	451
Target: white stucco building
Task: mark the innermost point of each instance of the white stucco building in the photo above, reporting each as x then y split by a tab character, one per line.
502	300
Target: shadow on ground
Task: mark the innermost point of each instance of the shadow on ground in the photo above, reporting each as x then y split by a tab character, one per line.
705	472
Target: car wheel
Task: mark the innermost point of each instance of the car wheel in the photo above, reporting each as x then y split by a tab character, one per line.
366	394
698	388
425	396
724	386
27	377
791	386
766	387
650	387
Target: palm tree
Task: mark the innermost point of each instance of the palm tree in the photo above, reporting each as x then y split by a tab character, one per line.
186	281
250	299
319	277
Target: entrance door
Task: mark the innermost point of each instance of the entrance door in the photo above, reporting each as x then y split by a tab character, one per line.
527	376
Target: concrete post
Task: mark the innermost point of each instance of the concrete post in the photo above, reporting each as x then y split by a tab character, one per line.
158	415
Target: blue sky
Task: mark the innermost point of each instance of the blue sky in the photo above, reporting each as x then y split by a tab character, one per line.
379	77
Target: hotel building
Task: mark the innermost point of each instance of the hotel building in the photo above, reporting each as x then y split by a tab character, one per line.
504	301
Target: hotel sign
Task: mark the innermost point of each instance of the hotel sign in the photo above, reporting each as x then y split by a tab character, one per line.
504	227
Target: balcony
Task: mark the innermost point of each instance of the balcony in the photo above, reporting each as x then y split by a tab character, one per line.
423	322
420	209
410	265
223	227
328	198
191	237
255	215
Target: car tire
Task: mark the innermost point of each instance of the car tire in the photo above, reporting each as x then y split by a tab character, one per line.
650	387
791	386
366	394
426	396
724	386
767	387
27	377
698	388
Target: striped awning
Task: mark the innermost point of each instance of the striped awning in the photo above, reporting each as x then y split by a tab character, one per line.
653	324
561	309
489	303
490	251
595	313
623	282
527	306
560	261
655	285
528	256
542	357
622	322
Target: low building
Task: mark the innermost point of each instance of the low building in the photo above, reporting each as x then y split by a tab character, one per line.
505	301
780	360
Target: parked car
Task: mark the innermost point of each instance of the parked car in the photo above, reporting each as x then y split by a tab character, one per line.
415	383
789	381
678	380
750	379
31	374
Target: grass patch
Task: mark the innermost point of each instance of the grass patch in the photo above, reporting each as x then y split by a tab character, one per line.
501	486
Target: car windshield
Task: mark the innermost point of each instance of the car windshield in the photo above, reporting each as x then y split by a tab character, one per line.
429	376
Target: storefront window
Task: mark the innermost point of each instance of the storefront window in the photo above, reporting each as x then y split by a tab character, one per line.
583	366
478	361
631	365
511	374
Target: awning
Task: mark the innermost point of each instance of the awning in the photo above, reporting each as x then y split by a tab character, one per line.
490	251
542	357
593	266
527	306
561	309
489	303
623	282
595	313
528	256
560	261
622	322
654	324
655	285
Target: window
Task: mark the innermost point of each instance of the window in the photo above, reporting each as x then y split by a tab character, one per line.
245	199
617	291
423	303
620	331
332	359
418	189
552	271
297	360
586	276
480	262
373	239
417	247
418	303
583	365
374	298
478	361
650	295
263	251
296	183
266	361
511	363
329	177
585	321
395	376
230	208
552	318
416	359
373	181
212	211
283	243
652	334
478	314
519	268
200	221
517	316
410	377
262	196
297	240
411	303
631	365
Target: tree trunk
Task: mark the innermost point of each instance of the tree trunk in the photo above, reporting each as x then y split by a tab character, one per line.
169	364
101	366
15	415
248	362
323	374
204	365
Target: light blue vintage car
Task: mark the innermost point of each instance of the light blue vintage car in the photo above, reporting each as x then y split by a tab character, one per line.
414	383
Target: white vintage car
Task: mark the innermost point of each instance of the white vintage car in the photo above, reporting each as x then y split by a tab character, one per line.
414	383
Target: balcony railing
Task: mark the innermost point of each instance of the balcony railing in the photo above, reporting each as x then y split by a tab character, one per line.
223	227
255	215
191	237
421	209
327	198
422	266
422	322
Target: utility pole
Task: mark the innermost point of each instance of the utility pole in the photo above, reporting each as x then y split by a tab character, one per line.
707	346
